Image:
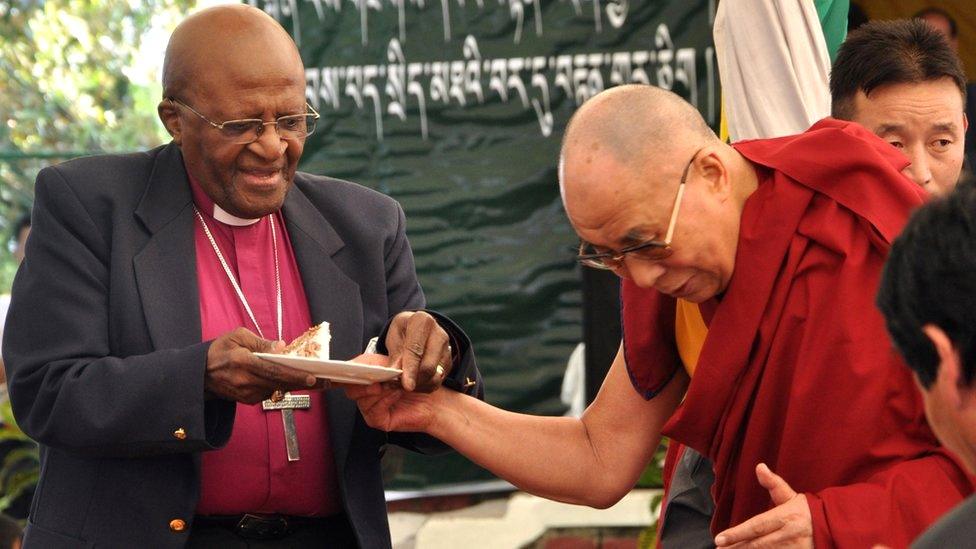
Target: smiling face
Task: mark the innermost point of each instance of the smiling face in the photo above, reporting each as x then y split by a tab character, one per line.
925	120
231	64
612	206
246	180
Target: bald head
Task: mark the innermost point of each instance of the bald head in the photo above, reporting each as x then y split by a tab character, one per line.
629	121
635	124
234	42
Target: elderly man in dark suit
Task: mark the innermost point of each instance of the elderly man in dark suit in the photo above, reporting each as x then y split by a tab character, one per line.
150	281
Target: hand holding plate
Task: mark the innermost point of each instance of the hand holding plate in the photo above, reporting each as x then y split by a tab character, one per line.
421	348
234	373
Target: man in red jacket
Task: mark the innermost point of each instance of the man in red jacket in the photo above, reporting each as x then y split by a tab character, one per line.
780	240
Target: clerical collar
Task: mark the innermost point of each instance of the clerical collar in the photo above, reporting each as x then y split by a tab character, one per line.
225	217
205	204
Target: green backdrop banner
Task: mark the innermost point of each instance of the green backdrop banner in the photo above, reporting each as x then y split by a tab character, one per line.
456	108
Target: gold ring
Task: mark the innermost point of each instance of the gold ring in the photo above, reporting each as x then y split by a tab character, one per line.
439	370
277	396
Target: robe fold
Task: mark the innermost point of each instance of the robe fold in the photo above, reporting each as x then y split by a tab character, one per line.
797	370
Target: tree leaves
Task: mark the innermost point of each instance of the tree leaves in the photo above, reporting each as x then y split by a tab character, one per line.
69	82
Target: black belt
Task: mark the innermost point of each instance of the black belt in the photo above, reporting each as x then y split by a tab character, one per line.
253	526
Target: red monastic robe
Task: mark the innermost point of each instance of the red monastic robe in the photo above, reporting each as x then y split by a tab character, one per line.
797	370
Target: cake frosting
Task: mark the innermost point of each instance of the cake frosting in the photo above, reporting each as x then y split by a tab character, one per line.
314	343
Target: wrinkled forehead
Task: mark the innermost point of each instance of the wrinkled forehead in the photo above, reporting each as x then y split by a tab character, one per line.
250	59
933	104
602	195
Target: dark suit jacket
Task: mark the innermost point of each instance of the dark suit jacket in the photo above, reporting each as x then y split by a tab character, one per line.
103	348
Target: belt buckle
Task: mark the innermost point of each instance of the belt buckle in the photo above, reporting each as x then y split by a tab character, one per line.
258	527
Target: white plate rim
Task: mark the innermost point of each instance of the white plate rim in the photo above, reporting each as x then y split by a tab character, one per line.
356	366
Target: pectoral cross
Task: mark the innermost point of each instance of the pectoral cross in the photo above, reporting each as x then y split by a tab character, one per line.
286	405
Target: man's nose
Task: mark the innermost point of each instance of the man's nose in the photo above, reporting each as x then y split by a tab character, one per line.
645	274
919	170
269	144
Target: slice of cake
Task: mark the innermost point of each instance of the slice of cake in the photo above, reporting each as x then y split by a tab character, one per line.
312	344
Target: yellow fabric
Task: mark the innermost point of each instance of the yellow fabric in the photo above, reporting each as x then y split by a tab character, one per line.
689	332
723	124
689	326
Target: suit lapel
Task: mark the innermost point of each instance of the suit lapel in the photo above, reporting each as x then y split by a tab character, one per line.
332	297
165	268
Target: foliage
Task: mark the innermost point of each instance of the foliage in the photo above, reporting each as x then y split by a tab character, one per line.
75	79
71	84
653	477
19	469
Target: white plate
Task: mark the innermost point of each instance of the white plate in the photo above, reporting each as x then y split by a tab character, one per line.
335	370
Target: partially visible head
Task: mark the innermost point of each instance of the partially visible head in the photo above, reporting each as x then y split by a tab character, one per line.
623	156
856	17
928	297
941	21
901	80
233	62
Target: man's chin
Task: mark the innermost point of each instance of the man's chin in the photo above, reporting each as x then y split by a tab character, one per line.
696	292
253	201
254	207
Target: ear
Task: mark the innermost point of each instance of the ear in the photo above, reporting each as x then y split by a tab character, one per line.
711	168
948	379
169	114
965	122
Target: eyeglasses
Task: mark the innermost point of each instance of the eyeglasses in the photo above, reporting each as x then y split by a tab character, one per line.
651	250
249	130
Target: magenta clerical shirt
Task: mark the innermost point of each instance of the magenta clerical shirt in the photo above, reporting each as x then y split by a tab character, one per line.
252	474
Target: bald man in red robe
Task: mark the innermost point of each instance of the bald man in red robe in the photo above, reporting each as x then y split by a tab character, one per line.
783	240
897	78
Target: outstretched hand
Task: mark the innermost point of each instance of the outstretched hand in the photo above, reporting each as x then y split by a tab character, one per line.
387	406
789	524
234	373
